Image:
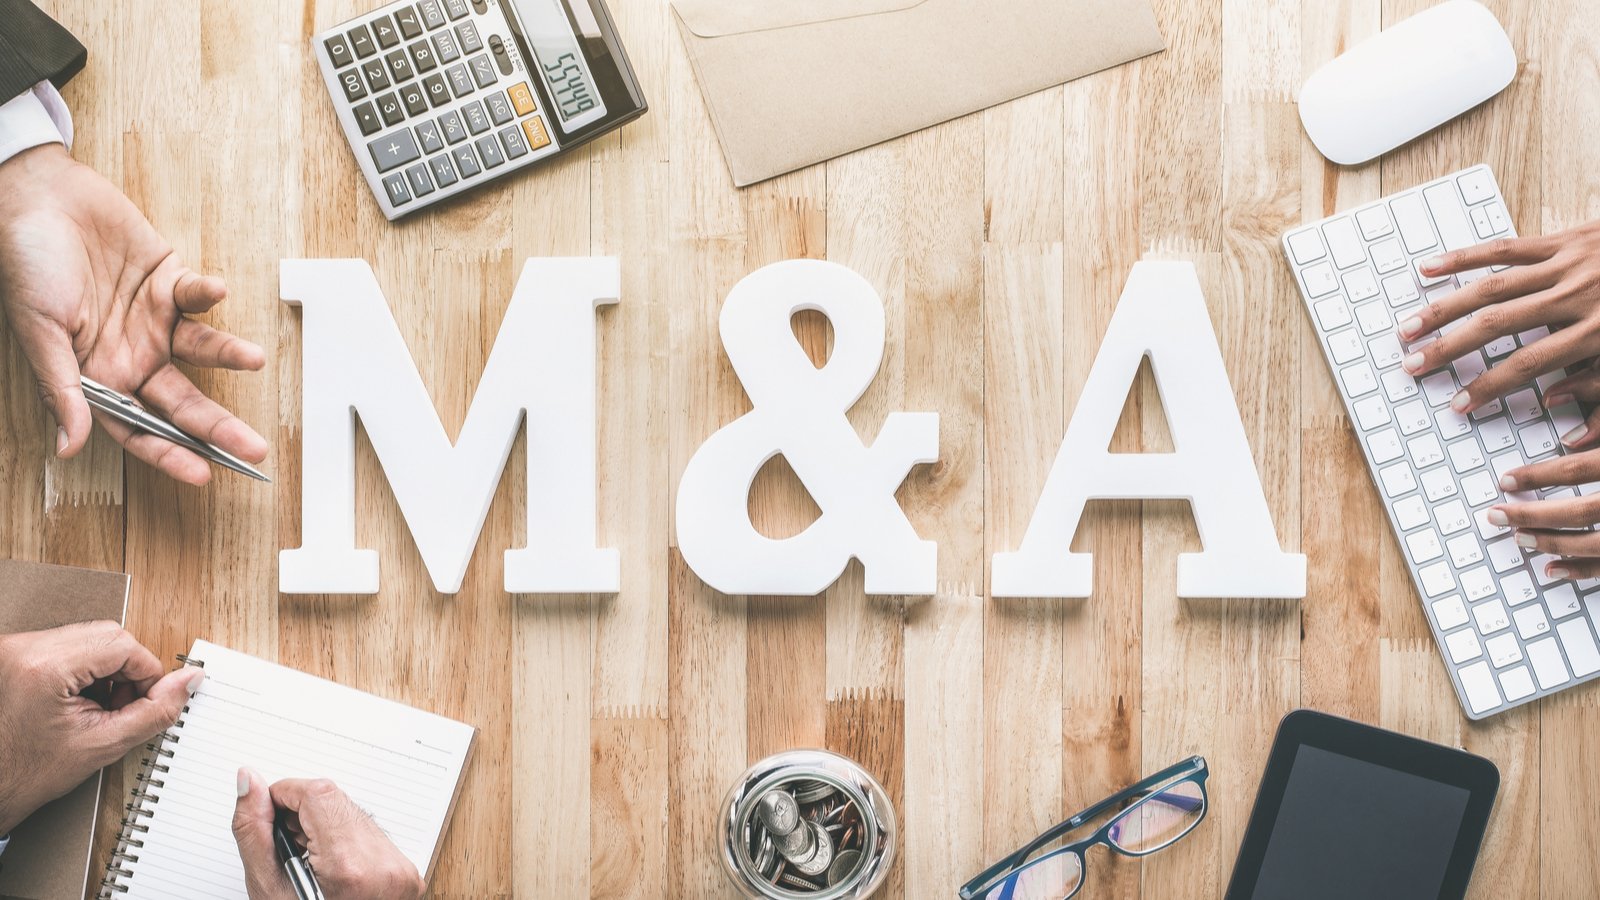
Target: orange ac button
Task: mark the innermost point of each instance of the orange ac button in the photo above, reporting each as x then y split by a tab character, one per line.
537	136
521	98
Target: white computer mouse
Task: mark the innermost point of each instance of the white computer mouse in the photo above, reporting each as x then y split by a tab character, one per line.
1406	80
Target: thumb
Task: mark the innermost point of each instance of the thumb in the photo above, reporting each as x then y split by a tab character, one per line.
55	366
155	712
253	816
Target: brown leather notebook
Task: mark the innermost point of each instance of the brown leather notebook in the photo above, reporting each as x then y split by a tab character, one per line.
48	858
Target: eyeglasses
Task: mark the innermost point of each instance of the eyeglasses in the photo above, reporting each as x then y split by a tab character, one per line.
1154	814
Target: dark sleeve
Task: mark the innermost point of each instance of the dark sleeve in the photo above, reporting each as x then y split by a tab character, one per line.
33	48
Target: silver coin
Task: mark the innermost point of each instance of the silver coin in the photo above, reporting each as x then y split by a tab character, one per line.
821	858
795	845
767	855
808	792
778	811
844	865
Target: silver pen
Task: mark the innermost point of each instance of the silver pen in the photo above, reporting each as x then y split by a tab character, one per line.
295	867
122	408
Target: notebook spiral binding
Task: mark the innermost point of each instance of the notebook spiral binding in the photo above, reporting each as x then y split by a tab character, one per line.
141	803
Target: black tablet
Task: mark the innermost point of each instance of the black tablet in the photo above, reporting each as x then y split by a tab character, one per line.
1347	810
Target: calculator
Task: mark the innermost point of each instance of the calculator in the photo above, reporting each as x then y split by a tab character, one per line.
438	97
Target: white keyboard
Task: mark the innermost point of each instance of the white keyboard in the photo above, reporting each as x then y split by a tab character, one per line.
1507	632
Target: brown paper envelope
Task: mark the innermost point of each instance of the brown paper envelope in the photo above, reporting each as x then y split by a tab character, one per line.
49	854
793	82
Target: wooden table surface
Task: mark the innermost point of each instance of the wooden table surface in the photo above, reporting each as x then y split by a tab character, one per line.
612	726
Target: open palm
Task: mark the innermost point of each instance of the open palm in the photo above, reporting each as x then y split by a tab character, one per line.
90	288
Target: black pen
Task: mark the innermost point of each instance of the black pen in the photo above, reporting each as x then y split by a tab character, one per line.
295	865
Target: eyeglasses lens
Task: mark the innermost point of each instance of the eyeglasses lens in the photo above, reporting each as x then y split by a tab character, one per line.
1159	820
1053	877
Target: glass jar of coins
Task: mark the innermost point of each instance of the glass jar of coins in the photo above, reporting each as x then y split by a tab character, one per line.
807	825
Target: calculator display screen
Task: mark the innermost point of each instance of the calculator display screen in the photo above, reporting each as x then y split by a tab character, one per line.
560	60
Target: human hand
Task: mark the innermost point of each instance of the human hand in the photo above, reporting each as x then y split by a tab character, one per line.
74	700
350	855
1560	526
90	288
1555	283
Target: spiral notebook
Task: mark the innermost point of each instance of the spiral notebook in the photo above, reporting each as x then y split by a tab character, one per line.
402	765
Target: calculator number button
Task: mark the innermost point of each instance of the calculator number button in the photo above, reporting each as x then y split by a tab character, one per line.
406	19
489	149
399	66
338	48
456	8
416	103
438	91
422	56
538	138
428	134
393	149
466	161
460	80
389	107
499	108
483	70
361	41
367	118
454	131
421	184
432	15
477	121
383	30
516	145
444	43
395	186
377	74
350	80
521	98
444	174
470	41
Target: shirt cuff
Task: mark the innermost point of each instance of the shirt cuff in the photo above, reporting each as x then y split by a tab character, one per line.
33	117
4	840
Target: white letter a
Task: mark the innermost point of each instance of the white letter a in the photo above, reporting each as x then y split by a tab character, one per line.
1162	314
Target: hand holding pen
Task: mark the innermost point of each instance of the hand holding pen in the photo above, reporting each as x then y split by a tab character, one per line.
334	850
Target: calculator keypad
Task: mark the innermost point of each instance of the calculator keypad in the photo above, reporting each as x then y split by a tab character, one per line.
435	96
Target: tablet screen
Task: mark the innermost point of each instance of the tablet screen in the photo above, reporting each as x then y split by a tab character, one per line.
1352	828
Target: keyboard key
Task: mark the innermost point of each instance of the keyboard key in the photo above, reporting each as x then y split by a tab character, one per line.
437	90
460	81
405	19
1451	423
1374	222
489	150
1319	279
411	95
445	46
1517	683
482	70
1463	645
444	174
395	186
516	144
1306	246
1562	601
1424	546
389	108
1431	281
429	135
354	87
470	41
1486	529
1465	455
1524	406
1469	367
454	131
1385	446
1437	484
466	161
1386	350
1503	650
1436	579
1372	317
522	102
1477	682
455	8
421	184
1480	223
1537	439
383	30
1531	621
1464	550
1370	412
338	48
432	14
1412	417
1490	617
393	149
1425	451
477	120
1500	346
422	57
1518	588
1361	285
377	74
1343	242
361	42
1397	479
1449	612
1398	385
1411	512
1455	231
1476	186
1400	289
366	119
1343	347
1453	517
1505	555
1412	219
1496	434
1439	387
1578	641
1478	583
1540	565
1533	334
1498	220
1504	463
1548	665
1479	488
1566	417
399	66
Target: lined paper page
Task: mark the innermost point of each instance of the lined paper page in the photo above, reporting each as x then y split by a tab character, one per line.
399	764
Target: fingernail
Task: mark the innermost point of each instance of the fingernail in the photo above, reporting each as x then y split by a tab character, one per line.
1507	483
1557	572
195	680
1433	262
1557	399
244	782
61	441
1575	435
1526	540
1460	402
1410	325
1497	517
1412	363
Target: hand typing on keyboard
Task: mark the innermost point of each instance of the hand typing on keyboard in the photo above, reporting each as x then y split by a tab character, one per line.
90	288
